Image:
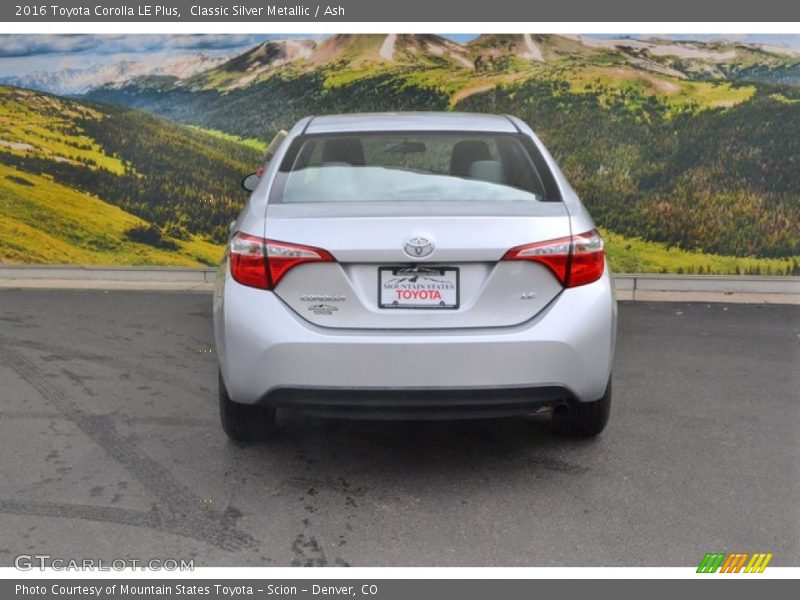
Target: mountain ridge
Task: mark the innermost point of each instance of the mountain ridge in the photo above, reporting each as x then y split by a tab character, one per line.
74	81
711	60
718	60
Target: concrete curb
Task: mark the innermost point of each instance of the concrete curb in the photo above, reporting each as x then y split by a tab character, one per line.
90	273
746	289
645	287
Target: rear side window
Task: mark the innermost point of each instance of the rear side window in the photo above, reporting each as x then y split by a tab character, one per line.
413	167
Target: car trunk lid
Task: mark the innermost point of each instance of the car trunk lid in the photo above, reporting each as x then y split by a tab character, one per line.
375	246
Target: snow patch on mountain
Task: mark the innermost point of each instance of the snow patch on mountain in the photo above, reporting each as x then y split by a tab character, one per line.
680	50
387	48
532	51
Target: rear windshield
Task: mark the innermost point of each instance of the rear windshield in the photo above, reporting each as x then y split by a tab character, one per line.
413	167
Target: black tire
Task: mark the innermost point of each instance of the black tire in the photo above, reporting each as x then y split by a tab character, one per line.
244	422
586	419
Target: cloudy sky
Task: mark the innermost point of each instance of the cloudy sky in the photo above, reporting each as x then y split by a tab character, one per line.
23	54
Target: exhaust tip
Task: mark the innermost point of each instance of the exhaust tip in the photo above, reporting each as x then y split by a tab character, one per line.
561	411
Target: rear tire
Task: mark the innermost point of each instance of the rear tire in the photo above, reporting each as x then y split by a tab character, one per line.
586	419
244	422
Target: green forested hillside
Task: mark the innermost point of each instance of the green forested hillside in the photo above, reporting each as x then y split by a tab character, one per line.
261	110
685	152
164	192
698	165
42	221
724	181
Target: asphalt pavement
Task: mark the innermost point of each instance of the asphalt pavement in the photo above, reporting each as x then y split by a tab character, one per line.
110	447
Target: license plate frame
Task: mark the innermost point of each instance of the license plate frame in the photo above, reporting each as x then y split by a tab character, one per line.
429	271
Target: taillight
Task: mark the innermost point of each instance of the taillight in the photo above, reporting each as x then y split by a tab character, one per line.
261	263
575	260
248	260
282	257
588	258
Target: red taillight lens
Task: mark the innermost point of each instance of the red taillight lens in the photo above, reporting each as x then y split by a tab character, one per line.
575	260
588	258
261	263
552	253
248	260
282	257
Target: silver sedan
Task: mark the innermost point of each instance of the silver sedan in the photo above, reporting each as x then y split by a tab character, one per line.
413	265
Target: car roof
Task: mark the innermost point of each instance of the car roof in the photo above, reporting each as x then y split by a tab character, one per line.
411	121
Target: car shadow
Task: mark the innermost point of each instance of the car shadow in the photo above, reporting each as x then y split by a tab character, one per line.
334	446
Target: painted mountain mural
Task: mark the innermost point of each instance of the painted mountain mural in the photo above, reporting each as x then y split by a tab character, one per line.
686	152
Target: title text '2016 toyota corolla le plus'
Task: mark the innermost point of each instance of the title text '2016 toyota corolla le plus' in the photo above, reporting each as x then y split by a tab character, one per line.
413	265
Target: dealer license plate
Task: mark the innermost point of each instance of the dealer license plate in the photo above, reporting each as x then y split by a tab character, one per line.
418	287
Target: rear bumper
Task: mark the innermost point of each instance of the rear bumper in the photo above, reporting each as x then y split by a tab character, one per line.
365	403
269	354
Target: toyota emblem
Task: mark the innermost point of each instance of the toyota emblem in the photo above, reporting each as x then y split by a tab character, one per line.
418	247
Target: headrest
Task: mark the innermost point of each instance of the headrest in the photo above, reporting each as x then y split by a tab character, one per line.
465	153
487	170
343	150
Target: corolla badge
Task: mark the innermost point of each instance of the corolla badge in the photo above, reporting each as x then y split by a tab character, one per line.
418	247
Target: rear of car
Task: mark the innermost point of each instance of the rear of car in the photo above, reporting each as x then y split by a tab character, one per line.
414	265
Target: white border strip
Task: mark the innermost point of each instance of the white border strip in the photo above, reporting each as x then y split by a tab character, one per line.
316	27
378	573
